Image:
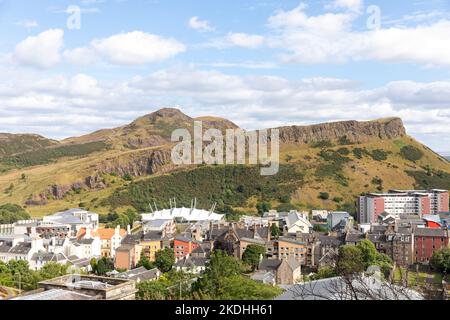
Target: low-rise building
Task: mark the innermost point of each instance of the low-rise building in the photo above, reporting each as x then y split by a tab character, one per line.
184	246
427	241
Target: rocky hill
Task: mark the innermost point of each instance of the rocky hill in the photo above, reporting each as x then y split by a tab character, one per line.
324	165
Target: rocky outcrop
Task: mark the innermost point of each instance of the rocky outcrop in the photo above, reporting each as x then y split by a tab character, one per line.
354	131
138	163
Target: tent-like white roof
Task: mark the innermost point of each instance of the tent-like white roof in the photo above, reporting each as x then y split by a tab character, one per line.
183	213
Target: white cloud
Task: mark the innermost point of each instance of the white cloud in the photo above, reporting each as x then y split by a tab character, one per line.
28	24
239	39
43	50
352	5
331	38
200	25
133	48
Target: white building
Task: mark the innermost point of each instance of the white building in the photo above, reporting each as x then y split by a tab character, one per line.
320	215
297	222
402	203
183	215
76	219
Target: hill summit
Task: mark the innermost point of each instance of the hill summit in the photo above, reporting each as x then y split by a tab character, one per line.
337	159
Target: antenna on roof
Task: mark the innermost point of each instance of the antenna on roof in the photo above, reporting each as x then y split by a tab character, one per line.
151	208
174	202
170	203
195	202
156	207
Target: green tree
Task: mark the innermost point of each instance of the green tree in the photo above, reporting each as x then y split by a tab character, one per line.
152	290
219	267
349	260
263	206
440	260
53	270
11	213
22	276
253	255
323	273
368	252
104	265
146	263
275	231
238	287
165	259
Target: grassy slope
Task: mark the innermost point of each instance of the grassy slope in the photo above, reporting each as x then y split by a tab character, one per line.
69	171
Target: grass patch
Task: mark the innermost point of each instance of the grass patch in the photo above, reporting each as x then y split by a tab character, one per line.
49	155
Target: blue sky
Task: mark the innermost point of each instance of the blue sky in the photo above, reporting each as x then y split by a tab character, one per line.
258	63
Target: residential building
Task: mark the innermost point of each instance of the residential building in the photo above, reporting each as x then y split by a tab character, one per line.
166	226
281	272
110	239
140	274
184	246
402	202
336	217
150	243
125	257
288	247
234	240
297	222
427	241
190	264
320	215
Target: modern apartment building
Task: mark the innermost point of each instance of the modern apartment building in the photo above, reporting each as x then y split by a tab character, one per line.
401	203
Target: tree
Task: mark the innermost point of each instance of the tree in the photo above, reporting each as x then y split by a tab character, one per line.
252	255
11	213
238	287
53	270
275	231
349	260
263	206
165	259
146	263
368	252
152	290
219	267
440	260
104	265
22	277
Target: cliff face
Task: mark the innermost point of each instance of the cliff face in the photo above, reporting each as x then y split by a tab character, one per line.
354	131
138	163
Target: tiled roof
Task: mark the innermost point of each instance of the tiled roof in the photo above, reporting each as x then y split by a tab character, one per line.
429	232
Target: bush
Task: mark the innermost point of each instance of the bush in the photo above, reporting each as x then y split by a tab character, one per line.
411	153
379	155
324	196
322	144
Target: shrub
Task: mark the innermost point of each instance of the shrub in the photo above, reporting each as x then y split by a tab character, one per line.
322	144
379	155
411	153
324	196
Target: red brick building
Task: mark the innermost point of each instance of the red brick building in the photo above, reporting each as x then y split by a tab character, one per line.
183	247
427	241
